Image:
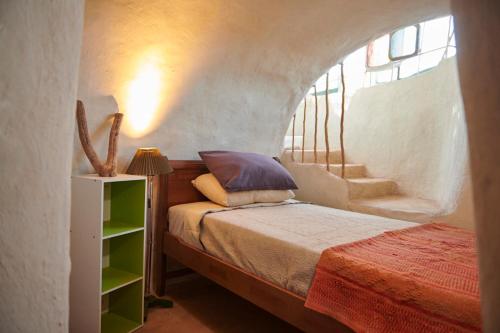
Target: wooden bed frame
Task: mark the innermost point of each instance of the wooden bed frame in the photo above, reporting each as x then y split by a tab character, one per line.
175	189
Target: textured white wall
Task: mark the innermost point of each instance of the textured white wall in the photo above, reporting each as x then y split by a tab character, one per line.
40	44
412	131
231	73
479	70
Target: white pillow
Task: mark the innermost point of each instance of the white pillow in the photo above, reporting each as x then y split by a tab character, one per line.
212	189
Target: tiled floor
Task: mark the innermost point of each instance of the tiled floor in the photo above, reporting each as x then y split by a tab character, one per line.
202	306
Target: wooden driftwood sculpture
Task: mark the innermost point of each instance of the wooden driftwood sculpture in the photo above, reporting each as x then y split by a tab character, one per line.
107	169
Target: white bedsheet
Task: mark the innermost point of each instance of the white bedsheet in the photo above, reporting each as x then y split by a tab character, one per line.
279	242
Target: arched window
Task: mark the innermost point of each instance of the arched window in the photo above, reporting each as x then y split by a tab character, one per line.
394	56
410	50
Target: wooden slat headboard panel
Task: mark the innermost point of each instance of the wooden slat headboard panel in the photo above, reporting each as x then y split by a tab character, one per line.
177	185
174	189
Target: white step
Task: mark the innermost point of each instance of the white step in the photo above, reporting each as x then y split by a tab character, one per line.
371	187
335	157
397	207
351	170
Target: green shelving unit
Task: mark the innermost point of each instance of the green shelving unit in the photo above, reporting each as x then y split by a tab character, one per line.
123	260
124	309
111	322
123	208
107	253
113	278
117	229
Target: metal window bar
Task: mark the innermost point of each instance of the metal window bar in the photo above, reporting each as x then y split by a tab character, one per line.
293	139
327	113
304	128
342	79
315	124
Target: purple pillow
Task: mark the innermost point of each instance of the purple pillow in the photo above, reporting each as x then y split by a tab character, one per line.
247	171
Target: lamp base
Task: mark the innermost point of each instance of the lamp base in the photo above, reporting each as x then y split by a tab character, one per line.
155	302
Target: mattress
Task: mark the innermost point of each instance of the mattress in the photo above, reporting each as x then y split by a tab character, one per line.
281	242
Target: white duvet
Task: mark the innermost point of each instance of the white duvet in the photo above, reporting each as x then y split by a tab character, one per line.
279	242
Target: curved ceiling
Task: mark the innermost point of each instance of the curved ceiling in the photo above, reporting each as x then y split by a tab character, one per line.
197	75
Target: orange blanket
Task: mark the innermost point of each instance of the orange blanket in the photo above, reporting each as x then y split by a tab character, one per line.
420	279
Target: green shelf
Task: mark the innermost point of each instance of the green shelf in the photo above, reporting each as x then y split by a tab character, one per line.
113	229
113	323
123	309
113	278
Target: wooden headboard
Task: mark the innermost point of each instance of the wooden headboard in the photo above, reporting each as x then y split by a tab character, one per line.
173	189
177	188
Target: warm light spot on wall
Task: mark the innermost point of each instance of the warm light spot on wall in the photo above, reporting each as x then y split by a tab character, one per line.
143	99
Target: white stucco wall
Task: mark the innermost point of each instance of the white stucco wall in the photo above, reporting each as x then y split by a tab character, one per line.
316	185
40	43
462	214
412	131
229	75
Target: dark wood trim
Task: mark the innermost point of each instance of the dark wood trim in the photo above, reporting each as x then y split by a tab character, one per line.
272	298
176	189
179	273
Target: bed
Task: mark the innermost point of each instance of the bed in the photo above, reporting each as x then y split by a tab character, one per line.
280	243
220	243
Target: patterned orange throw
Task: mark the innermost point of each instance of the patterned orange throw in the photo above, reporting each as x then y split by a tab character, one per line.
420	279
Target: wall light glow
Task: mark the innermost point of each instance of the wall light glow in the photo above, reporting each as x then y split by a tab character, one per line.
143	99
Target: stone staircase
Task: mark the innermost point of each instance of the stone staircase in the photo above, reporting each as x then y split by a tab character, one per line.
376	196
